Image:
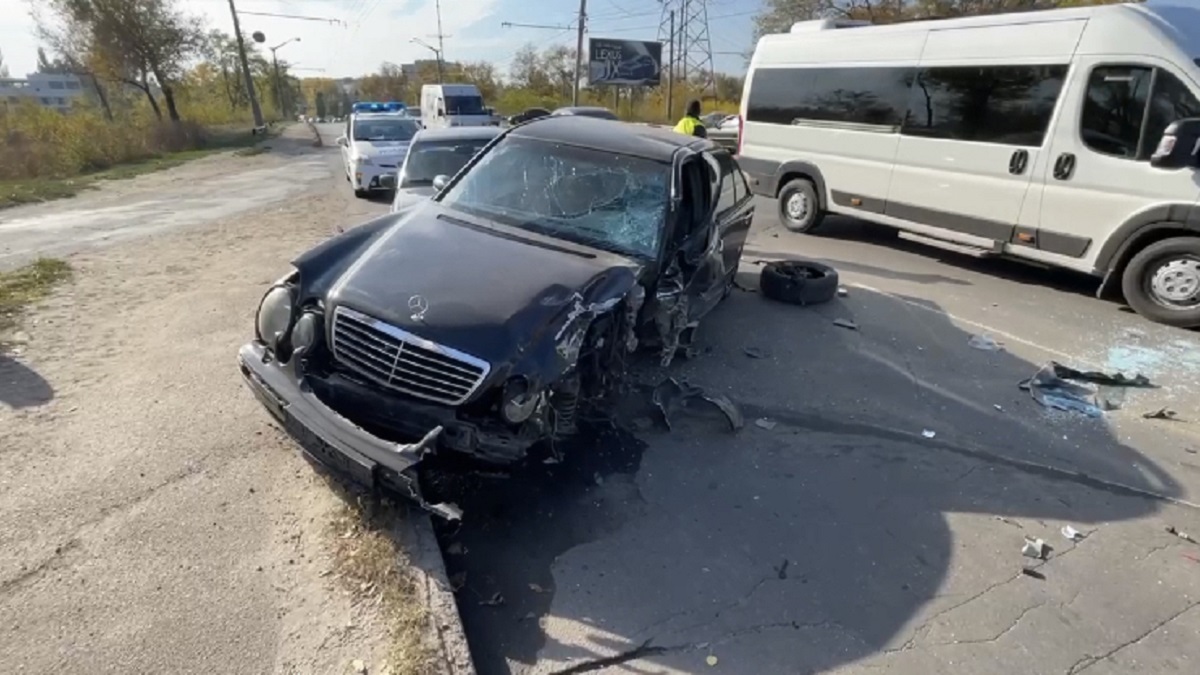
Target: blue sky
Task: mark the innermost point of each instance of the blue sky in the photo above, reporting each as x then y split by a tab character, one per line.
381	30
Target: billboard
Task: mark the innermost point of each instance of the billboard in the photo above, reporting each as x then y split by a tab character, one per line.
624	62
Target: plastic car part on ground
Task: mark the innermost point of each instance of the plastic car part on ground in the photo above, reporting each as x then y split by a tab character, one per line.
671	395
1062	388
798	282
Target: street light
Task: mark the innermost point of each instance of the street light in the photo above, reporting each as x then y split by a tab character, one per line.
275	62
436	52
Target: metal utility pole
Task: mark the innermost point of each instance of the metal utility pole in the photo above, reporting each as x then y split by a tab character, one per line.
693	58
237	31
437	5
671	71
579	50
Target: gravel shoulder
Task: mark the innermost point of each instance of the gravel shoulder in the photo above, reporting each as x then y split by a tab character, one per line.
151	518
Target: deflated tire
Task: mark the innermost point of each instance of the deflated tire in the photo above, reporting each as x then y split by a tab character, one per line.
798	282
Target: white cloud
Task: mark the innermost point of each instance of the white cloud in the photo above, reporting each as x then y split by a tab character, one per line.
377	31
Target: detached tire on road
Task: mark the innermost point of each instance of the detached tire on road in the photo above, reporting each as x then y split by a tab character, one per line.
798	282
1162	282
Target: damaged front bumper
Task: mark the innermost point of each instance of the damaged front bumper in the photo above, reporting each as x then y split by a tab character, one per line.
332	440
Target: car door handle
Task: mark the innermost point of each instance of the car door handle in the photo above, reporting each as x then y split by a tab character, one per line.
1018	162
1064	166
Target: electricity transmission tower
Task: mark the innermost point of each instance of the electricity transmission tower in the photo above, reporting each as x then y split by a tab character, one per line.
692	47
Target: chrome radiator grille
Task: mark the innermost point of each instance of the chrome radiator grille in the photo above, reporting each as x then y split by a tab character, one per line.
405	362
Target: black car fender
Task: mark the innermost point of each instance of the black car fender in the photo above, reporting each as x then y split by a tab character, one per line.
553	348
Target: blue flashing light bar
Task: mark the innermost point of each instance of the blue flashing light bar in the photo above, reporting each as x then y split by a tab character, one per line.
376	106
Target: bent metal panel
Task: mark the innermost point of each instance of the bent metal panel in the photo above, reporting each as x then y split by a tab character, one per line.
624	62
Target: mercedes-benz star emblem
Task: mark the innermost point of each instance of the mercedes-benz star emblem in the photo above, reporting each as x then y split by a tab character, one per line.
418	306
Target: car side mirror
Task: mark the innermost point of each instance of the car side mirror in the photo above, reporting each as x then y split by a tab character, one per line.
342	141
1179	147
440	181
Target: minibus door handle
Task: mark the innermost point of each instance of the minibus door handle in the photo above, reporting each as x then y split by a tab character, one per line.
1064	166
1018	162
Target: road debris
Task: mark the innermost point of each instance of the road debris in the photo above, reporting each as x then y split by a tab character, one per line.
781	571
537	589
929	433
671	395
984	342
359	666
754	352
1182	535
711	660
842	292
764	423
1072	533
1029	572
1062	388
845	323
1035	548
1161	414
1007	521
495	601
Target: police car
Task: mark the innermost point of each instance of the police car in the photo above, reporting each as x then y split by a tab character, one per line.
374	143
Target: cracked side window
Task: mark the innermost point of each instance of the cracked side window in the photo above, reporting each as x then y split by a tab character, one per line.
591	197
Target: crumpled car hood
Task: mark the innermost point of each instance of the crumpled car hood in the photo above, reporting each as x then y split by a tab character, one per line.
492	292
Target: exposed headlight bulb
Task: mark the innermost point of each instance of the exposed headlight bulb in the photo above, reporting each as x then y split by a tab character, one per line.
517	402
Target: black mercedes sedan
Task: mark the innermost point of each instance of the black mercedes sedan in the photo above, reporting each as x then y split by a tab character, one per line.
487	319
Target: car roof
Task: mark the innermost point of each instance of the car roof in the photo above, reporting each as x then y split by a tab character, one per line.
655	143
581	108
460	133
379	116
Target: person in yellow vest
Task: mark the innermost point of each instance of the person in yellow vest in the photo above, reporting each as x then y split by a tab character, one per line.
691	124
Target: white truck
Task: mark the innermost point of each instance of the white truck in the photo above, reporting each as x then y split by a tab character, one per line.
453	105
1067	137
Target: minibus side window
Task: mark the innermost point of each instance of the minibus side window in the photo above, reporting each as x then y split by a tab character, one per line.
1170	100
1115	108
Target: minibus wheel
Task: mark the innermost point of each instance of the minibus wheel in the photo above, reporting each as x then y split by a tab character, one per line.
799	206
1162	282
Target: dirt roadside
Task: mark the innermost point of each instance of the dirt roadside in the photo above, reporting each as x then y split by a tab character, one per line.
151	518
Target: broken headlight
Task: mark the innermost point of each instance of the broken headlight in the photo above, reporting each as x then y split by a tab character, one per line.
517	402
306	330
274	317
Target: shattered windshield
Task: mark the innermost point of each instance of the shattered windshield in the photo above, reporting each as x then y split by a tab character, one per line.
384	129
431	159
591	197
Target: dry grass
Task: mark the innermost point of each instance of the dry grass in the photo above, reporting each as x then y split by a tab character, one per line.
368	560
30	175
26	285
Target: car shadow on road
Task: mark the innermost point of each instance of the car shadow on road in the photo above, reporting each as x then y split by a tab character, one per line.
851	229
21	386
811	538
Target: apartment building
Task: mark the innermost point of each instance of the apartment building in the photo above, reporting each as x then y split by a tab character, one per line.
52	90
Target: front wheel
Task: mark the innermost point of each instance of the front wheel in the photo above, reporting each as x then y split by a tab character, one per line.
1162	282
799	206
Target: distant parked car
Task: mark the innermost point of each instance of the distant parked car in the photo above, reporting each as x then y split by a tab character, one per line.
587	111
434	153
527	114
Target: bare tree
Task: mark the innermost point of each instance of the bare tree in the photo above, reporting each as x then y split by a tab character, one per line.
136	40
3	66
